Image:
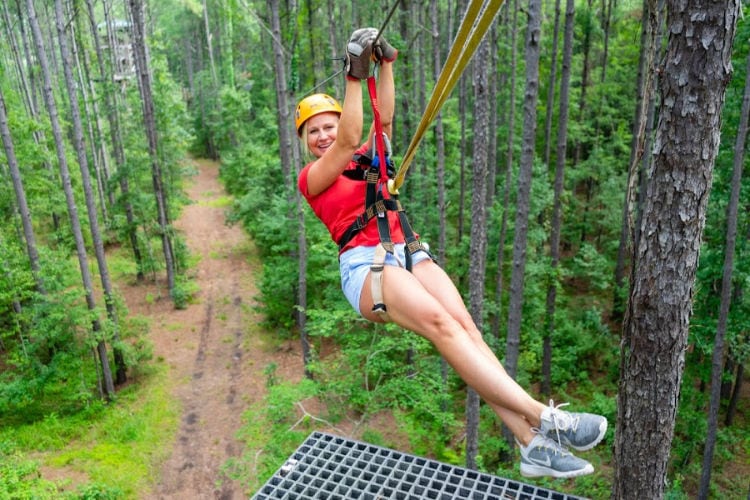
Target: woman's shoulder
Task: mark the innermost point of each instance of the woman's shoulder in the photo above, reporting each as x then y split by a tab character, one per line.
302	178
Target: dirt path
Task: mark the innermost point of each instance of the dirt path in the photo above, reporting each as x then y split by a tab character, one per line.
216	362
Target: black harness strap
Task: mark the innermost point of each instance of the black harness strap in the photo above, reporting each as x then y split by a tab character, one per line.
377	206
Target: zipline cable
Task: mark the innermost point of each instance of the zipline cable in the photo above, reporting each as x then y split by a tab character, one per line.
387	20
472	30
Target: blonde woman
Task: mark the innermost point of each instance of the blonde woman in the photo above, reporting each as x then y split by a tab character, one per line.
422	299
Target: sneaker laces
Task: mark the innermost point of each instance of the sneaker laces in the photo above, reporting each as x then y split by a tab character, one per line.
562	420
546	443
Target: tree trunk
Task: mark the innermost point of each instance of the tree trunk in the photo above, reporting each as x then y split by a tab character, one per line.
515	303
551	86
461	7
478	245
336	46
643	92
515	306
29	89
100	156
560	153
23	207
89	197
695	73
144	80
732	406
209	45
10	36
283	113
606	25
439	170
492	85
717	360
108	389
113	118
290	153
511	106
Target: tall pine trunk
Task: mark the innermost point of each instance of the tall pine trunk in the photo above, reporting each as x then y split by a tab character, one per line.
88	192
511	106
533	42
696	70
113	118
149	120
478	245
644	90
21	202
49	98
554	244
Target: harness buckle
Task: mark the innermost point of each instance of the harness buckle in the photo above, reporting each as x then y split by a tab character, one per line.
380	309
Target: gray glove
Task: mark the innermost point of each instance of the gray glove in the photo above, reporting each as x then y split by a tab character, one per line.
384	51
359	53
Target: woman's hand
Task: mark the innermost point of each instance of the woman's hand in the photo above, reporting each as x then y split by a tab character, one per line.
384	51
359	53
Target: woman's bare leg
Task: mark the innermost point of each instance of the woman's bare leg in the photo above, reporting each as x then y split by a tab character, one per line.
413	307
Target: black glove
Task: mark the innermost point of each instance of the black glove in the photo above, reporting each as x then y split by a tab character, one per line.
359	53
384	51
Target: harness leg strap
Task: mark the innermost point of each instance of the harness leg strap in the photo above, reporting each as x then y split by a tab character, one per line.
376	282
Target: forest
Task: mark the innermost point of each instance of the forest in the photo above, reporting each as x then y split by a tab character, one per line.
580	181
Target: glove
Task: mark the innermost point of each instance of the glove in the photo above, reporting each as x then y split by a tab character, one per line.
384	51
359	53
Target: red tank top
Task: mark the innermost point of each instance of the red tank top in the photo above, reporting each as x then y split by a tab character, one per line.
341	203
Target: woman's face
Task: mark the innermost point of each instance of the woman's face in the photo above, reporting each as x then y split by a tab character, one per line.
321	132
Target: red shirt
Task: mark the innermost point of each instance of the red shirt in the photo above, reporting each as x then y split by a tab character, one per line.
342	202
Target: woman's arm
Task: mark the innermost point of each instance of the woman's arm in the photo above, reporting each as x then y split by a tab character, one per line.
386	96
386	99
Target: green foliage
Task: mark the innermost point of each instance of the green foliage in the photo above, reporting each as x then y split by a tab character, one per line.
273	430
20	479
115	447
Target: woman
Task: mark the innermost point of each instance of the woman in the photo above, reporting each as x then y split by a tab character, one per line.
424	300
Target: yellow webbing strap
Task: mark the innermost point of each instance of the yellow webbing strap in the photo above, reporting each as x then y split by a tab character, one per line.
470	34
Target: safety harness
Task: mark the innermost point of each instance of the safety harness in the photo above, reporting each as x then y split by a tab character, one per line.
378	201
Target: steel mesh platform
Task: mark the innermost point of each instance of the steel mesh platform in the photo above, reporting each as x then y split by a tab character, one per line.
329	467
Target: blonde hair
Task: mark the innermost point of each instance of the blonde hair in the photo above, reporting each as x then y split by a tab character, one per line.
307	154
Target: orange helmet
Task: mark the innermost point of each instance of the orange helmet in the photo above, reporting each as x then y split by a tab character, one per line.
313	105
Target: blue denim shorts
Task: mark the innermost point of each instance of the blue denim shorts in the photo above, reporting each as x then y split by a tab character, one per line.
354	264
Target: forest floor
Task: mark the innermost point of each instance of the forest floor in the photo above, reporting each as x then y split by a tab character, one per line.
216	358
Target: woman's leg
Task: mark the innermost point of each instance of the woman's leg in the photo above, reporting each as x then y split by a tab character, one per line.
413	307
440	286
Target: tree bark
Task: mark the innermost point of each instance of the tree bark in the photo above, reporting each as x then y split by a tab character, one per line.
283	113
696	70
644	91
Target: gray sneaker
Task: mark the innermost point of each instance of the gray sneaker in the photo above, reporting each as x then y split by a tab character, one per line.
580	431
545	457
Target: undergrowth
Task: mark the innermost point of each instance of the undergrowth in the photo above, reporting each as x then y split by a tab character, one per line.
102	452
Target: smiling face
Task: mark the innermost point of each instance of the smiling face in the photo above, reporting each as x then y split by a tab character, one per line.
321	132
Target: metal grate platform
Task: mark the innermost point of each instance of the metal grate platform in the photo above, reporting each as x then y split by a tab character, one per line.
329	467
